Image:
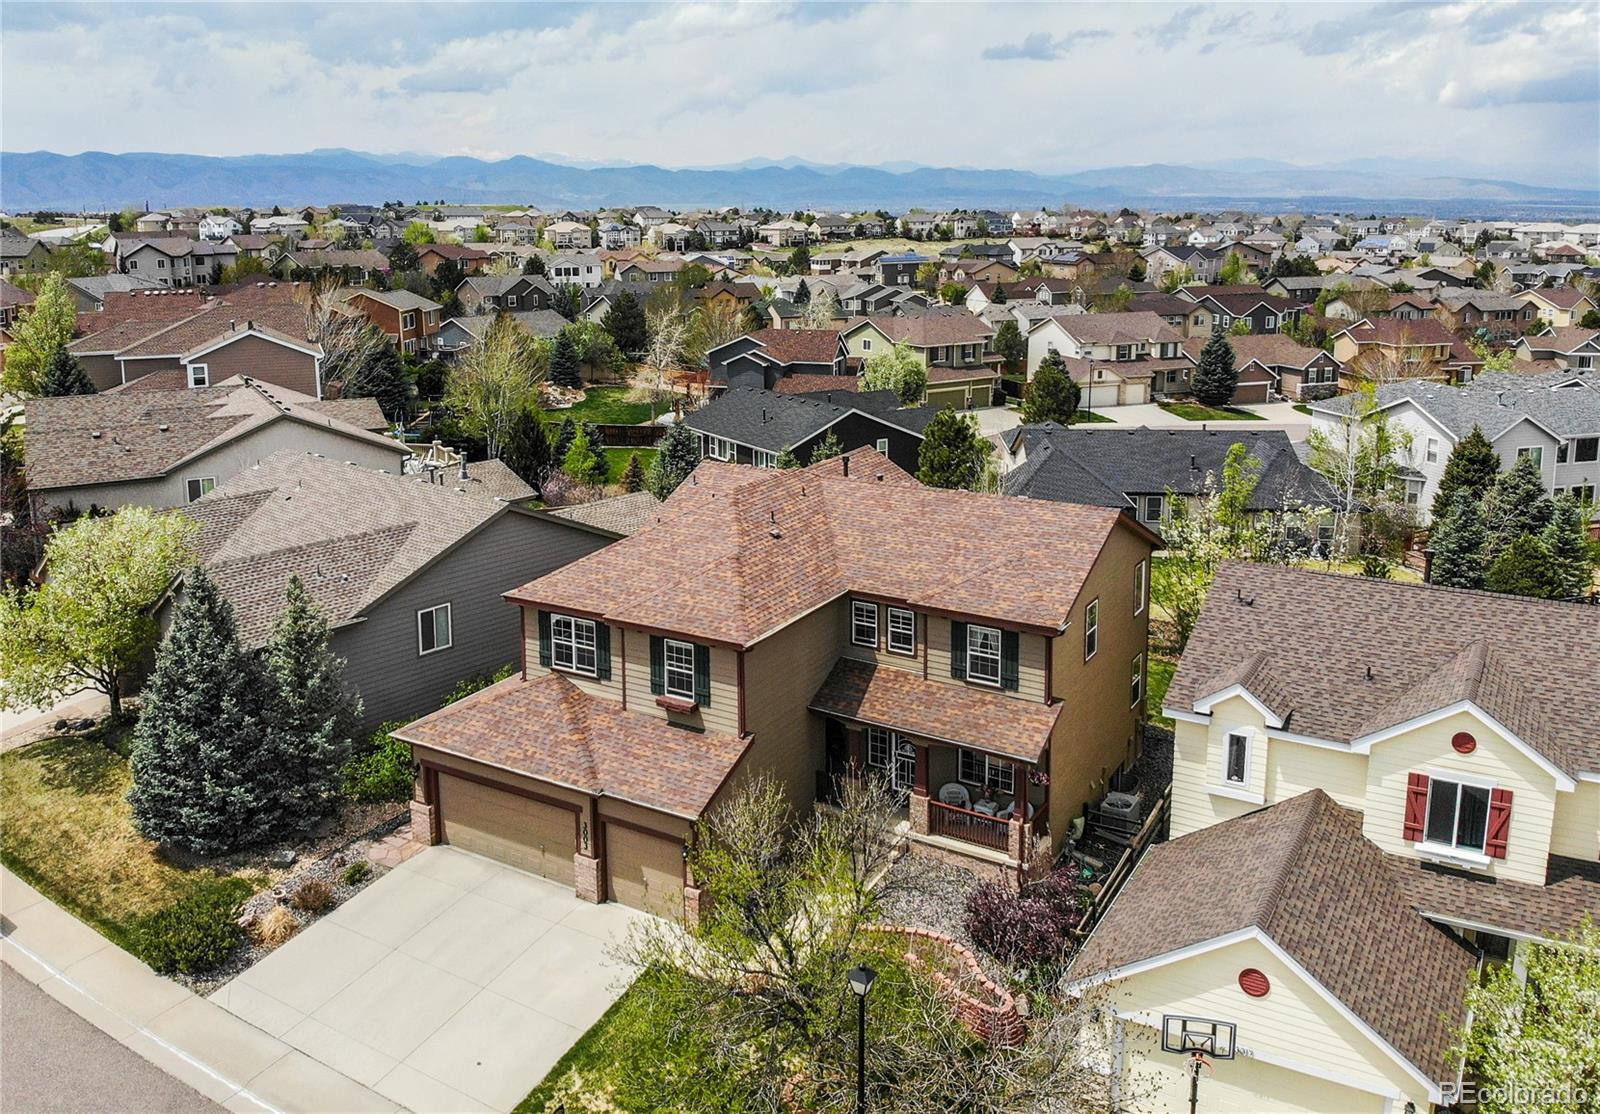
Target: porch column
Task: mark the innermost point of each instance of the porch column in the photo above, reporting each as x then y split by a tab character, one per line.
918	806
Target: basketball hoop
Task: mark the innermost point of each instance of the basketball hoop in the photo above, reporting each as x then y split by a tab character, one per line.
1203	1040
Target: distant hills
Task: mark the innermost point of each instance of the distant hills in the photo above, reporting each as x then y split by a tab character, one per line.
98	181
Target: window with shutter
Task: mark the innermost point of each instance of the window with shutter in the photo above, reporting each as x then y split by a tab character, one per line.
658	668
602	652
1010	651
1416	806
702	675
1499	823
680	669
544	639
958	650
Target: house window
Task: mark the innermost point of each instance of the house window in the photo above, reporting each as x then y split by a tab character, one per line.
1433	450
976	768
866	344
1269	322
572	644
199	486
511	300
410	346
1136	686
765	459
719	448
1458	814
1141	576
679	672
902	631
1238	761
199	375
433	629
864	623
408	320
1091	629
1585	449
1535	451
133	264
1154	507
1123	351
983	654
883	445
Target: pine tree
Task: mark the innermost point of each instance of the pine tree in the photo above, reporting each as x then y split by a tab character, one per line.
826	449
313	717
1524	568
533	265
1215	379
1010	345
786	460
203	777
402	258
1052	396
568	301
583	463
527	450
1517	505
1567	541
564	438
382	376
677	454
564	363
1472	466
1458	540
802	295
626	323
64	375
953	454
633	474
999	298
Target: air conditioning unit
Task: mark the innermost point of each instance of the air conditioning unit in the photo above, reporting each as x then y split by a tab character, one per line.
1126	806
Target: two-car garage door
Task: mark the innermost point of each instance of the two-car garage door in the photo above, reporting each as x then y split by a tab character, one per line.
528	834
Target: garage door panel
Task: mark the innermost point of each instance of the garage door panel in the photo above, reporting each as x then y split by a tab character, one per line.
644	871
1103	395
507	827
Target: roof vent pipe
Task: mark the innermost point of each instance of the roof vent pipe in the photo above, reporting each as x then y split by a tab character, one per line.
846	460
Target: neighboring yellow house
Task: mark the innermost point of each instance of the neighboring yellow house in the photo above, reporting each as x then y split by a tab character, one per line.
1561	307
952	344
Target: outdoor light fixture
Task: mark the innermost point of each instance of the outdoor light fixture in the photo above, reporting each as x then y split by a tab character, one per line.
861	980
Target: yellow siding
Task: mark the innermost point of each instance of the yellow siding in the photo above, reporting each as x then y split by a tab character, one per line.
1199	757
1576	833
1428	749
1293	1031
1294	768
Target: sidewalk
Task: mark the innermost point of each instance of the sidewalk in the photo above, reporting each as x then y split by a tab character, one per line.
188	1037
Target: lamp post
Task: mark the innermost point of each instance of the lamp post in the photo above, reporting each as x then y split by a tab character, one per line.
861	980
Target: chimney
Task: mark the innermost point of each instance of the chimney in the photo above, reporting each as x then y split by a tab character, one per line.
1427	565
846	459
462	474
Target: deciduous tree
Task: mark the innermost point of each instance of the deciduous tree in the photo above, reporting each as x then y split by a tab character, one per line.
495	384
37	335
899	370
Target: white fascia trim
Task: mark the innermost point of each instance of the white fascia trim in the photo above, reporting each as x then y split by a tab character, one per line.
1206	703
1363	744
1310	741
1478	926
1190	717
1177	955
1590	775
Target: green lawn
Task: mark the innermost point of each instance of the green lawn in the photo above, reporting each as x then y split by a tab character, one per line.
1083	416
69	832
617	460
1160	676
1194	412
609	405
1302	408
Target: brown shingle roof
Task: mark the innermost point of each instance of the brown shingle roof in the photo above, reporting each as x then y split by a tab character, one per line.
1571	892
623	515
799	346
1428	648
547	728
899	699
1303	874
812	384
1118	328
743	551
935	328
1271	349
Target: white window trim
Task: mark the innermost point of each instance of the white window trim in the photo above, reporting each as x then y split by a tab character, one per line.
719	448
1227	745
450	627
859	608
982	764
999	653
408	320
765	458
1141	586
1465	856
910	651
202	480
1136	681
203	379
667	669
883	445
573	644
1091	629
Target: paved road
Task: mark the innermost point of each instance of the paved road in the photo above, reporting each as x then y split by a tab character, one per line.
52	1060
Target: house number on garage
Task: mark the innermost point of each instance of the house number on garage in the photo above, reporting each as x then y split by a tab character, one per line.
583	834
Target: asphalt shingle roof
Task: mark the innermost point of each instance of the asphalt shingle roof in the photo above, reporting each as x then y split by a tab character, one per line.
767	420
1497	401
623	515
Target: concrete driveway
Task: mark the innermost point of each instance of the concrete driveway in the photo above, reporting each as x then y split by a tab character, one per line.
451	984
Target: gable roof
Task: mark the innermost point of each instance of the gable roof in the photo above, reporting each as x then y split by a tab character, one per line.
1118	328
936	328
767	420
1497	401
741	551
621	515
798	346
1301	874
1429	648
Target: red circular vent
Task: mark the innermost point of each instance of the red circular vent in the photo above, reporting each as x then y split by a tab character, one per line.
1464	742
1254	983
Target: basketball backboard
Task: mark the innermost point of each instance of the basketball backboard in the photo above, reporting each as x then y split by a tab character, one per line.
1183	1035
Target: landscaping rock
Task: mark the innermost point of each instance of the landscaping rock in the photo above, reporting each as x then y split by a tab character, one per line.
282	858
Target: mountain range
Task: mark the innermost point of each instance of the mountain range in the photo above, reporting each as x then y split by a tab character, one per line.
97	181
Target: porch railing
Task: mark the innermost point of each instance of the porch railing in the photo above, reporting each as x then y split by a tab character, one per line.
954	822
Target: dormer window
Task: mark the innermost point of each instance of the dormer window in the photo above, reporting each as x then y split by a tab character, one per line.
1237	762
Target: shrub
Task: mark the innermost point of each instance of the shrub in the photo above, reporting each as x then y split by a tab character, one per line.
469	685
356	873
313	896
196	932
275	928
1031	930
382	772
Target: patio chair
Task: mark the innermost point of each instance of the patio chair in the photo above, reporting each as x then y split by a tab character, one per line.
954	793
1010	810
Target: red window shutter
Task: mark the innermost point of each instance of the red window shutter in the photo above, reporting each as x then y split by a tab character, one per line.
1499	823
1416	806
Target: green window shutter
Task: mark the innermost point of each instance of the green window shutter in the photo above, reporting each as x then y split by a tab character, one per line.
1009	651
544	639
702	675
658	665
602	652
958	650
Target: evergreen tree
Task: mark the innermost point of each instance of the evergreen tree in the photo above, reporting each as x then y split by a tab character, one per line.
787	459
564	363
1517	505
313	717
203	772
1473	466
528	451
1524	568
382	376
583	463
1052	396
802	295
677	454
1000	299
625	321
533	265
568	300
1010	345
633	474
800	260
1567	541
826	449
402	258
1458	540
564	438
64	375
1215	379
953	453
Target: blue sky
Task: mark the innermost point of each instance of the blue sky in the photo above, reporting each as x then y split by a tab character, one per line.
1502	89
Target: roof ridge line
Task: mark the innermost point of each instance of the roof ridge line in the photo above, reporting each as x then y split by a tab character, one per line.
1280	883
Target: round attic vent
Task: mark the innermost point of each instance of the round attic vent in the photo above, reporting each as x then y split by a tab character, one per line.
1464	742
1254	983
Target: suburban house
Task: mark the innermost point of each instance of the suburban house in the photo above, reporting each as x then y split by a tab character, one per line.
1324	829
470	259
767	356
409	569
162	260
167	448
952	344
353	267
575	269
898	270
569	235
1200	264
89	291
653	271
1116	359
1140	471
1484	313
613	235
1568	347
1274	366
1553	417
1559	307
785	233
748	425
488	293
460	334
1189	317
21	255
13	300
409	320
1386	347
799	624
1265	313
